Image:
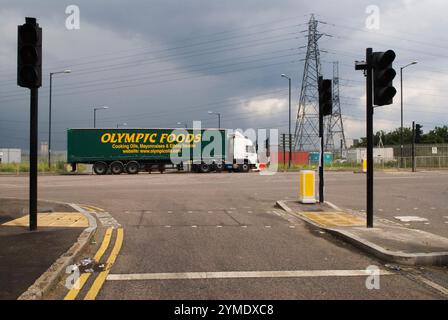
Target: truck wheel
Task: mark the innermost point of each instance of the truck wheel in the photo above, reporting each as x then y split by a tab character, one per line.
100	168
132	167
116	167
244	167
219	166
204	168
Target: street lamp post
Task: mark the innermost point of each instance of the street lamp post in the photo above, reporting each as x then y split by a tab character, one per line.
219	118
289	122
401	94
94	113
49	113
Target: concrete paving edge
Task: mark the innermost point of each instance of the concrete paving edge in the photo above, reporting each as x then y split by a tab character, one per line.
411	259
48	280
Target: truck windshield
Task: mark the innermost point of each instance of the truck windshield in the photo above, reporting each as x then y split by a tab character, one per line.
250	149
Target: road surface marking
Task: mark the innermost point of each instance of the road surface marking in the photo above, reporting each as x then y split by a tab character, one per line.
170	211
242	274
167	226
380	210
210	211
92	207
398	209
71	295
415	208
334	218
99	281
249	211
267	226
218	226
243	226
193	226
432	208
410	219
292	227
190	211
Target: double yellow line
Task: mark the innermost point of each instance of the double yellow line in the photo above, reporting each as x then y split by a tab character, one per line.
101	278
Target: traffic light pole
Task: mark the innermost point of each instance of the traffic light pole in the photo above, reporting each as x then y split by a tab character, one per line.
33	158
369	133
321	156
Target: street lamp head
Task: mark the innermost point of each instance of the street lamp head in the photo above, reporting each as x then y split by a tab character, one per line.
414	62
67	71
210	112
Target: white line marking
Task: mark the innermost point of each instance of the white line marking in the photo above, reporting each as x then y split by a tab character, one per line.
292	227
267	226
243	226
432	208
170	211
218	226
243	274
410	219
193	226
415	208
167	226
190	211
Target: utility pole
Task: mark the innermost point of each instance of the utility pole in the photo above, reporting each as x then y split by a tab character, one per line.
413	146
401	104
49	113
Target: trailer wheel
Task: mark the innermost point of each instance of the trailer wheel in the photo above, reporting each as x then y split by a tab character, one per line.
132	167
219	166
116	167
204	168
100	168
244	167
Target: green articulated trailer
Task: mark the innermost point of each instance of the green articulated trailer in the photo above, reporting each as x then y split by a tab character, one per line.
133	150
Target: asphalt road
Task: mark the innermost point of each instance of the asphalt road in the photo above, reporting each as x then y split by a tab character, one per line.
189	223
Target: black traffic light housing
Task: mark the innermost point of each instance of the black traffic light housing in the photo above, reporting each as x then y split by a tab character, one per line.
29	54
325	96
383	74
418	133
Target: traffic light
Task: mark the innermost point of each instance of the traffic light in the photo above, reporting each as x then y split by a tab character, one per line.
29	54
418	133
383	74
325	97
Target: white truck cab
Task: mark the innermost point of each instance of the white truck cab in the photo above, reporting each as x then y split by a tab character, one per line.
242	154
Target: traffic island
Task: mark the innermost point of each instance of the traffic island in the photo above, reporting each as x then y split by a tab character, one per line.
387	240
32	262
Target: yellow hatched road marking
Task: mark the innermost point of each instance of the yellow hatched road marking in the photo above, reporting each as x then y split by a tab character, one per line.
91	208
99	281
73	293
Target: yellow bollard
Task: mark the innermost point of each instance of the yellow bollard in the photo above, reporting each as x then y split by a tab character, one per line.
364	165
307	192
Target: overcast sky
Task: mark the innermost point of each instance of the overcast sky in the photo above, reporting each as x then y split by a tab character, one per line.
157	63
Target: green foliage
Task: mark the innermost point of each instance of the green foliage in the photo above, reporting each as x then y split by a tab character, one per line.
437	135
